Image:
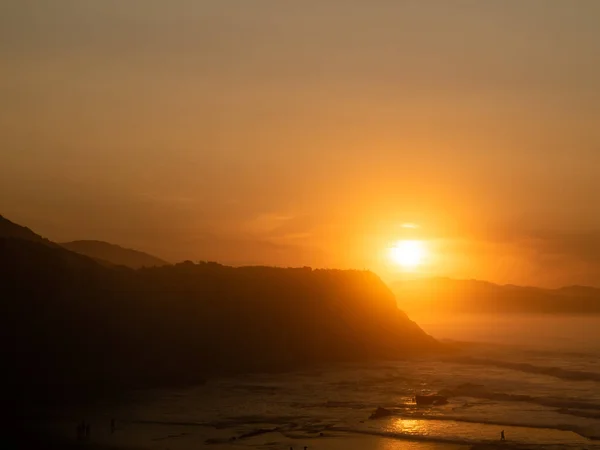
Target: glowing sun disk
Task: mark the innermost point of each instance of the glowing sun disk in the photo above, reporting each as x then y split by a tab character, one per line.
408	254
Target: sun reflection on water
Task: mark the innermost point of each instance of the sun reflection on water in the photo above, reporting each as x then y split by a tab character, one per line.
468	432
410	426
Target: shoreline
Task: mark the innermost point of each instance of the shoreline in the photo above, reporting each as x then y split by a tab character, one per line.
325	443
183	437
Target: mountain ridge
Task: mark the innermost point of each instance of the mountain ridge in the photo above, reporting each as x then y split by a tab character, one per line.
106	252
9	229
457	296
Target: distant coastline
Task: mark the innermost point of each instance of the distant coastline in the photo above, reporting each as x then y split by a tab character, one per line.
460	297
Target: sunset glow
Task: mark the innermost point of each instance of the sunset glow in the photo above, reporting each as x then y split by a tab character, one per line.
488	170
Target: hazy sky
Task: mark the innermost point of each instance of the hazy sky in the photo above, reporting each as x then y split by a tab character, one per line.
307	132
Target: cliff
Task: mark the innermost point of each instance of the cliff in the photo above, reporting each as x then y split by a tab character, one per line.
78	322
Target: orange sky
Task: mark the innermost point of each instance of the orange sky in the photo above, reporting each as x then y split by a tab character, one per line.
306	133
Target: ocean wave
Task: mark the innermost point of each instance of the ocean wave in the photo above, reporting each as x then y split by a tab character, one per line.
557	372
479	391
579	413
342	404
285	421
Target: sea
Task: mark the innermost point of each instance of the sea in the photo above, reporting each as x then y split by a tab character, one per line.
537	378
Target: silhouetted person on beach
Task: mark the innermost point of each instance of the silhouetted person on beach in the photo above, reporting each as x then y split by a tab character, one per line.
502	436
88	428
113	425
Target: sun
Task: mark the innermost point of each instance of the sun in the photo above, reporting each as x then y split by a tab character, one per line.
408	254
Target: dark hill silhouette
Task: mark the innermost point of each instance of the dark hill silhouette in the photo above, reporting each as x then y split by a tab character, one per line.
9	229
69	322
114	254
444	295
